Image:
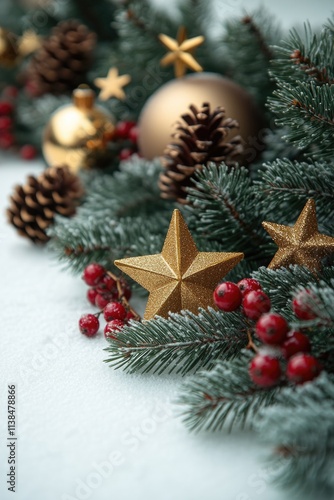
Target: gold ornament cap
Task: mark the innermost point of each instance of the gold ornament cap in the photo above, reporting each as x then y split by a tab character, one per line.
83	97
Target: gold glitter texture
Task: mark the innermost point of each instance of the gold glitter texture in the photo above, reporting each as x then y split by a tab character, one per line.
180	52
301	244
180	277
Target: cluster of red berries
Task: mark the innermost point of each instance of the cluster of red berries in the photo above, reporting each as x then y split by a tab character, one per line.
111	295
127	133
7	138
282	346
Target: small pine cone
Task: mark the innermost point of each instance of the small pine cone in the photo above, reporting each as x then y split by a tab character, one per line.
34	205
200	140
62	62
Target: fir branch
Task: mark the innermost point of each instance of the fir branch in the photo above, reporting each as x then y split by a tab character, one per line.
281	285
79	241
223	207
289	184
300	427
223	397
182	343
306	109
246	47
261	41
131	191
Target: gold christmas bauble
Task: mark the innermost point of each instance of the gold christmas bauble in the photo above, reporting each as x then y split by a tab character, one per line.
167	104
78	134
9	48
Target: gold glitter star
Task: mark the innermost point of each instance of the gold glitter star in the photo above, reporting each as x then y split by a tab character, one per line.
180	52
180	277
301	244
112	85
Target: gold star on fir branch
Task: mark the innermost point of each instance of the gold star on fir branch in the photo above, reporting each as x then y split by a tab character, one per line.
180	52
180	277
112	85
301	244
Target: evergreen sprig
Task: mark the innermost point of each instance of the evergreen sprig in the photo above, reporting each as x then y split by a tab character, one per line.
184	342
304	74
224	208
223	397
286	185
300	428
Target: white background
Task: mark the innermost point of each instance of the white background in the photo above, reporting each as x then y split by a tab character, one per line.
76	416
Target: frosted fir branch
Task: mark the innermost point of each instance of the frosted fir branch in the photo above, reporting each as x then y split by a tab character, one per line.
223	397
79	241
306	109
131	191
224	207
281	285
285	183
300	428
184	342
306	56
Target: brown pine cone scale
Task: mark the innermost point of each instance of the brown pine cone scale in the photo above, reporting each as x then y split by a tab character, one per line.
201	138
62	62
34	205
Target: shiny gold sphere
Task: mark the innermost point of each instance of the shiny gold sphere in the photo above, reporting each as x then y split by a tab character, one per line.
9	48
166	105
78	134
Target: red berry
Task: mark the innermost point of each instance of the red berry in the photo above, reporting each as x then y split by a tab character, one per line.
272	328
6	123
295	342
6	108
247	285
133	134
114	310
28	152
7	140
89	325
301	306
111	328
123	128
93	274
101	300
126	289
130	315
302	368
125	154
227	296
255	304
264	370
91	295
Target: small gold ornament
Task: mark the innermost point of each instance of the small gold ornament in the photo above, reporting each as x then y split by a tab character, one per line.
301	244
180	277
180	52
166	106
112	85
78	134
9	48
14	48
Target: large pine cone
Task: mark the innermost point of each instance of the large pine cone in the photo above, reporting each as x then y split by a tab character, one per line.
62	62
34	205
201	139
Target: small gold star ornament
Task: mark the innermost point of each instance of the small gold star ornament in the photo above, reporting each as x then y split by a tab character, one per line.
180	52
112	85
301	244
180	277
